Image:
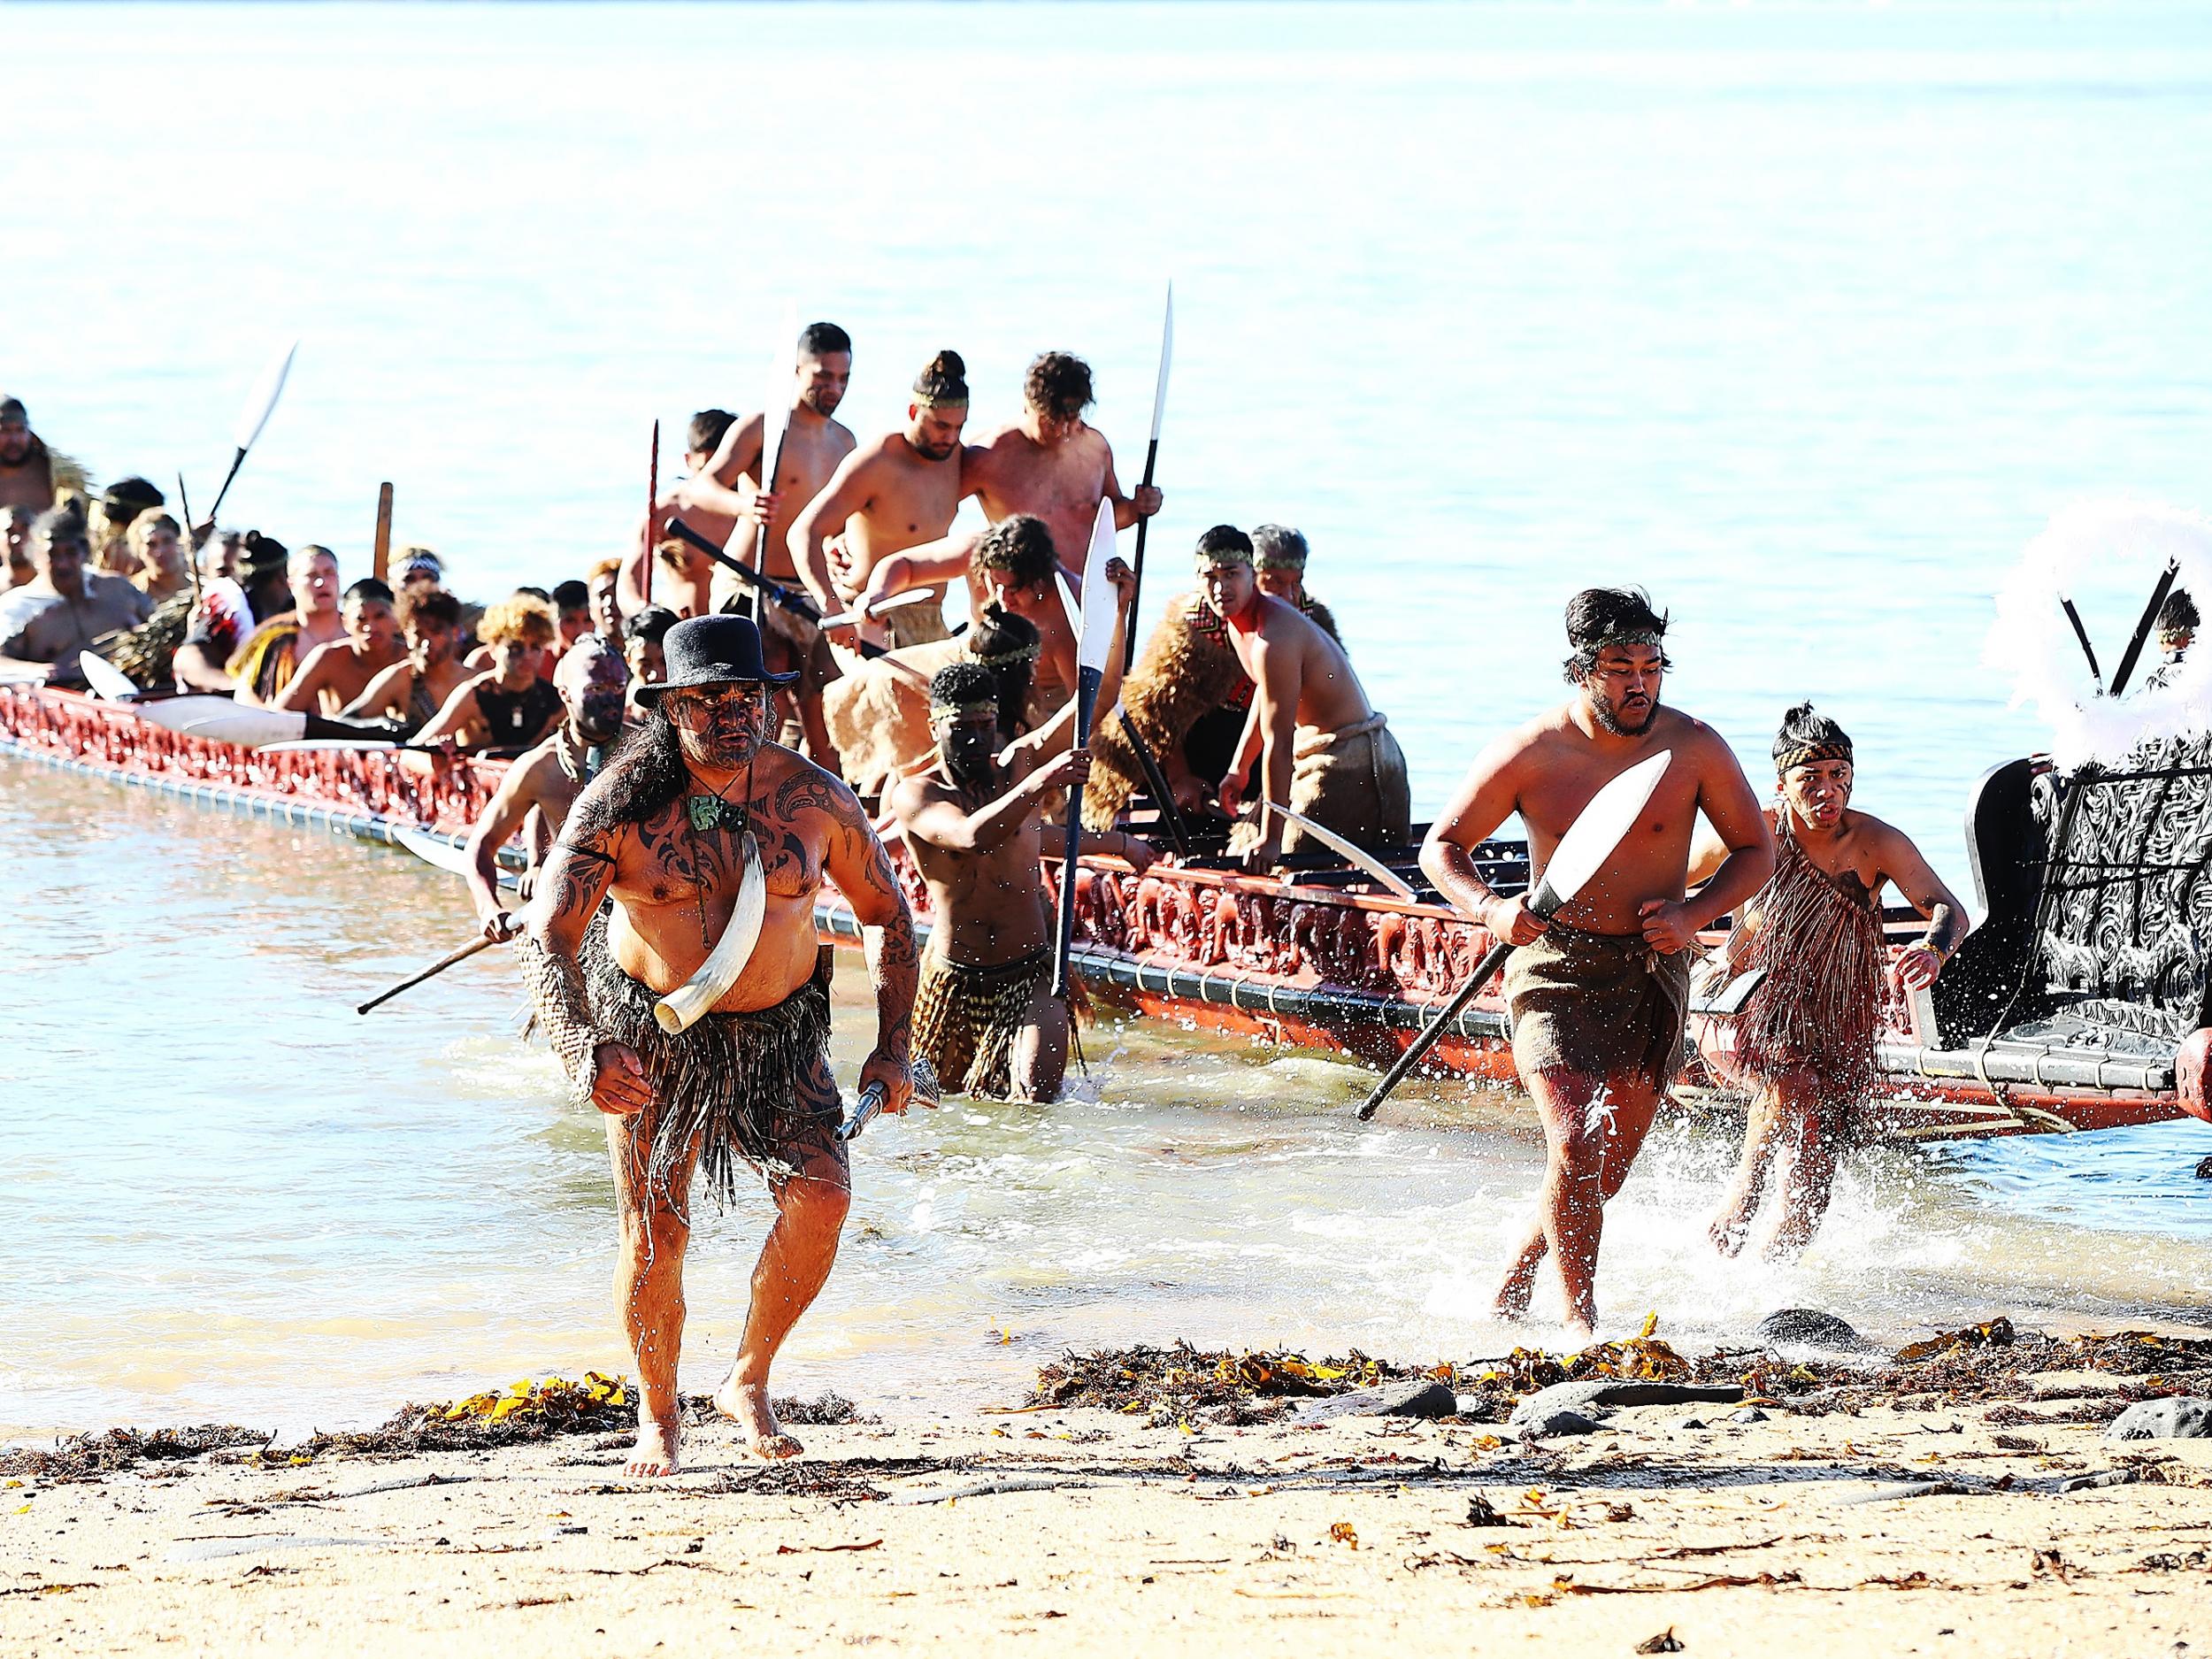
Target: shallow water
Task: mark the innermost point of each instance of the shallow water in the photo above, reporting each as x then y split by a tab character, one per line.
1806	319
231	1197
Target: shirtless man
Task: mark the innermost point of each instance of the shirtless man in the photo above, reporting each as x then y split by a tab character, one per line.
1803	1043
1321	749
1598	995
334	676
31	475
413	689
899	492
67	608
986	1017
275	651
595	685
663	830
708	428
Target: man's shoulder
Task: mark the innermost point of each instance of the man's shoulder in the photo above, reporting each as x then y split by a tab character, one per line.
1691	734
797	785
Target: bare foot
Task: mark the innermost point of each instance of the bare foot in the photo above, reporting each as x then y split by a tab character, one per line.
657	1443
1511	1302
1730	1227
747	1404
1582	1330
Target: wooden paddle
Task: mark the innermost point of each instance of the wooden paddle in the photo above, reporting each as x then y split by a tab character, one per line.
2143	628
1582	851
652	504
381	560
474	945
797	603
260	404
191	545
1151	459
1094	639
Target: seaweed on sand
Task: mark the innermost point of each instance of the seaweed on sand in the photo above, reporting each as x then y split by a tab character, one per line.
1173	1383
89	1456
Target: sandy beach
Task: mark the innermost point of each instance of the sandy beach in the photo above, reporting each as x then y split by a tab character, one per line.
1936	1524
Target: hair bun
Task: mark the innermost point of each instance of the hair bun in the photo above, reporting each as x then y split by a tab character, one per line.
947	362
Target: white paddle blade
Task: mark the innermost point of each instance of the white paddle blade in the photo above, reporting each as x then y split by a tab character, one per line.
1612	812
262	401
1351	852
251	728
106	679
175	714
1167	356
1097	630
433	850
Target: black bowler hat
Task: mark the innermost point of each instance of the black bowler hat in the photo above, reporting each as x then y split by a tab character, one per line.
711	651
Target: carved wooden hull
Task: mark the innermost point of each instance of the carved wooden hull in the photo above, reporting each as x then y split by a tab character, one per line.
1303	965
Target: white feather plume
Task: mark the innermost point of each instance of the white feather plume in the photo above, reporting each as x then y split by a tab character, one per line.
2103	540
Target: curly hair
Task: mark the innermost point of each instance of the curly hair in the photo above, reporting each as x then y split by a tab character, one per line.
520	617
1020	549
1059	384
1600	617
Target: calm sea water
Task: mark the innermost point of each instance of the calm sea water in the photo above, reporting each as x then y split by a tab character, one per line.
1807	319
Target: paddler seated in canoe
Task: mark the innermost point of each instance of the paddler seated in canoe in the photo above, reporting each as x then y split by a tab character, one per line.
605	580
262	667
157	549
1188	696
411	691
1802	1045
697	819
899	492
536	794
507	706
68	608
985	1018
643	636
333	676
15	531
704	436
258	590
1598	995
1312	741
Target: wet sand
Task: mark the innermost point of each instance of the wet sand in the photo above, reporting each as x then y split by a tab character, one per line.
1086	1531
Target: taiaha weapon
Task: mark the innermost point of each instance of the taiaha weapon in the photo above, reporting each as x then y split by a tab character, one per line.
775	421
2143	628
875	608
652	506
431	971
797	603
260	404
1151	458
380	562
2082	634
1094	639
1581	852
1350	850
927	1091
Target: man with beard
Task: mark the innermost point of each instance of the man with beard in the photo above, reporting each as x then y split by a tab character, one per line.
32	476
1052	464
413	689
985	1016
896	493
708	428
1598	994
335	675
66	609
1321	748
593	684
669	832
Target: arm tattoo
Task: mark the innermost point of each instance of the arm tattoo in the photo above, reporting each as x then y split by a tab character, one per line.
894	965
564	1008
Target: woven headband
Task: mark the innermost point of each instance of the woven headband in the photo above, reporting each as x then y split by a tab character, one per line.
1806	753
1626	636
1005	659
1224	555
1285	560
953	713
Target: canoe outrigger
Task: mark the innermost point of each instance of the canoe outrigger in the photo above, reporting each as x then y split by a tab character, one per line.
2079	1003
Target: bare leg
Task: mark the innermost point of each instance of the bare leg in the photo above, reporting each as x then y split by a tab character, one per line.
648	1290
1740	1205
1040	1053
1811	1146
795	1264
1591	1138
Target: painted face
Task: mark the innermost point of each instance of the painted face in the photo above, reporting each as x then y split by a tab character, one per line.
823	379
1229	589
1818	791
723	726
970	746
1624	688
934	431
596	696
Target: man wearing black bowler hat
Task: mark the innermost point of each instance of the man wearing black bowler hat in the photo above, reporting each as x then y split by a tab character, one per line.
668	832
